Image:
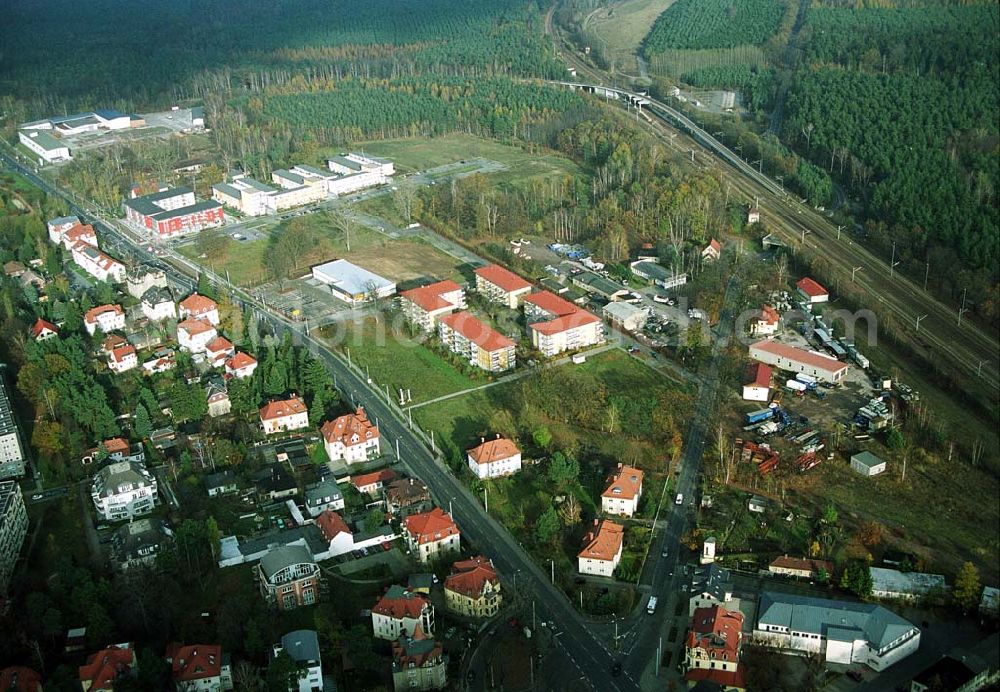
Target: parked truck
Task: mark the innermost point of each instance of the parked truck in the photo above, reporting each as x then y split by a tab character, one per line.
796	386
805	379
759	416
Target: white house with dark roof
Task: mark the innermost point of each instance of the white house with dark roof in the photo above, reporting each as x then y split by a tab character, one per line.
843	632
157	304
122	490
711	586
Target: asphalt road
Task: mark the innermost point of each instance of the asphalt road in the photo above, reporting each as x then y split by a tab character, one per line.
589	655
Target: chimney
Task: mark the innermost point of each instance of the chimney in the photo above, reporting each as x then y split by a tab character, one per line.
482	440
498	436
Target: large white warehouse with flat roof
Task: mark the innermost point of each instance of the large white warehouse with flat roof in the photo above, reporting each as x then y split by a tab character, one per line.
351	283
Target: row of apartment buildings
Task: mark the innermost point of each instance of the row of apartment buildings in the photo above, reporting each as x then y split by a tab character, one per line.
302	184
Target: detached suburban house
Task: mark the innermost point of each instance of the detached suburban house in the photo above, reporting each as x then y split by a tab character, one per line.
801	567
106	318
372	483
106	666
284	414
423	306
288	577
199	667
418	663
765	323
241	365
602	549
43	330
712	648
712	251
194	335
811	291
623	492
496	457
399	612
499	285
322	496
351	437
432	535
198	307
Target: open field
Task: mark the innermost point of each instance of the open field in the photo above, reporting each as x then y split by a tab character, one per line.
623	26
413	155
243	260
403	260
393	358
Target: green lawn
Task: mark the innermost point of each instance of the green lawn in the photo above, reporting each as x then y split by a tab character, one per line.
244	260
393	358
411	155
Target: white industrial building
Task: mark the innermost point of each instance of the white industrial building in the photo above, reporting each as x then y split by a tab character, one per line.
867	464
48	148
626	316
244	194
351	283
839	631
819	365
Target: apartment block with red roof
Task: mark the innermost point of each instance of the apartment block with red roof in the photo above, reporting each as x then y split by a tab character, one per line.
418	663
623	492
432	535
495	457
241	365
499	285
424	305
400	611
602	549
481	345
765	322
557	325
106	666
351	437
106	318
712	648
199	667
284	414
194	335
473	588
198	307
812	291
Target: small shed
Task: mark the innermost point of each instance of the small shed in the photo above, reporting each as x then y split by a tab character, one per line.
867	464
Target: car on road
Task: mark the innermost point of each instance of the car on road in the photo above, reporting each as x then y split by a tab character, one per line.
665	552
37	496
679	500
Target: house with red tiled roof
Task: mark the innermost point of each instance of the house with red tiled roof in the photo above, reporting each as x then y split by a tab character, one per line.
623	492
500	285
802	567
556	325
602	549
198	307
812	291
372	483
342	539
123	359
432	535
418	663
400	611
765	322
351	437
712	251
495	457
106	318
424	305
199	667
478	343
712	648
218	351
42	330
194	335
106	666
473	588
96	263
757	382
241	365
284	414
20	679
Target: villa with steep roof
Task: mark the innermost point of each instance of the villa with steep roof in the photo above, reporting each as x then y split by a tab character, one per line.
602	549
623	492
351	437
473	588
400	611
494	457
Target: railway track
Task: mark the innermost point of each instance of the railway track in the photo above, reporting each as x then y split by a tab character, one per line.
939	337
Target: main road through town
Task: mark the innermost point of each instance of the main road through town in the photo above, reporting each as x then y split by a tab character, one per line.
591	656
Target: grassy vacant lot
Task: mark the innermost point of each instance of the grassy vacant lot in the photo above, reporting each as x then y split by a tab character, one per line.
244	260
412	155
393	358
623	26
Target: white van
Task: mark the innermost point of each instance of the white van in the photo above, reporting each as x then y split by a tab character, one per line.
680	499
